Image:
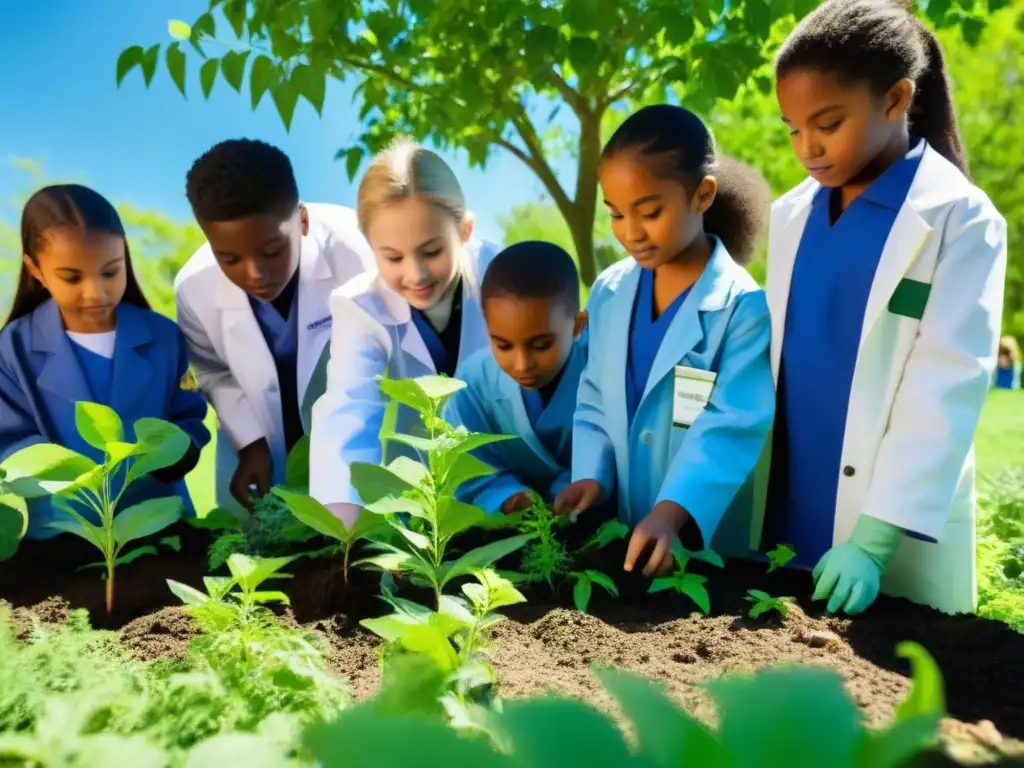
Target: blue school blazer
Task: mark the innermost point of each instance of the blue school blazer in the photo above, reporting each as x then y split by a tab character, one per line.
40	382
722	326
492	403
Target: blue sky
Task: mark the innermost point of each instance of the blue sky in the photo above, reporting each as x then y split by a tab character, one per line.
63	108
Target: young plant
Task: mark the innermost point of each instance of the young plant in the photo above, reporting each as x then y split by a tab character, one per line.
13	518
417	498
446	651
76	483
584	587
779	557
763	603
689	584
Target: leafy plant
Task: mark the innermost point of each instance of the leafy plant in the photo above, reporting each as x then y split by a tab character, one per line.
445	651
763	603
76	482
779	557
584	587
417	500
13	518
689	584
800	717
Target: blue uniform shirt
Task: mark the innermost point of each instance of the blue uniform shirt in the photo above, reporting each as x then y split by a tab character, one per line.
645	336
832	277
1004	378
278	321
98	371
443	346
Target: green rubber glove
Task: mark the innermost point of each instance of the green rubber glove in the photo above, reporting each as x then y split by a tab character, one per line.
849	574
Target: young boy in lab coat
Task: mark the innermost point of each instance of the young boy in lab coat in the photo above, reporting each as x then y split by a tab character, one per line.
526	383
252	303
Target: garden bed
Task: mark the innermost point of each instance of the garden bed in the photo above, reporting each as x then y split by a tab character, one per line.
548	644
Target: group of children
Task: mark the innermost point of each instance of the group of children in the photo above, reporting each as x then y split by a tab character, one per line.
834	410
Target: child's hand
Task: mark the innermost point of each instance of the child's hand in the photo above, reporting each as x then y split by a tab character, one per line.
253	469
515	503
579	496
661	526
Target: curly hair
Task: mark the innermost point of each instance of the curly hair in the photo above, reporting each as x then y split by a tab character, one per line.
241	177
677	144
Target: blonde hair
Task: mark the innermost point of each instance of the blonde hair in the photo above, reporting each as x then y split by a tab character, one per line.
407	169
1008	346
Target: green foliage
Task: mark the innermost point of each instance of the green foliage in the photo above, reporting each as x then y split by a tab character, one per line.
546	558
764	603
796	716
71	479
689	584
1000	560
417	500
780	557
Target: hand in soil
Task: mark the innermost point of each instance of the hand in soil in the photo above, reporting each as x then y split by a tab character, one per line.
661	526
578	497
848	577
253	469
516	503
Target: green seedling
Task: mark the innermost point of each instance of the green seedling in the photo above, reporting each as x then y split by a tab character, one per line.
13	518
74	481
417	498
689	584
584	587
779	557
447	652
763	603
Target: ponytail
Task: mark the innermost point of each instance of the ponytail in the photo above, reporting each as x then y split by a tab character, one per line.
739	215
932	114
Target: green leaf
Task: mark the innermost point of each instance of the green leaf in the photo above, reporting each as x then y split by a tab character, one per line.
484	556
82	528
311	84
188	595
146	518
780	556
250	572
374	482
439	388
129	59
398	506
312	513
584	55
409	471
232	66
13	524
260	78
454	517
296	465
118	452
172	542
415	538
219	519
353	157
272	596
98	424
663	583
927	692
466	467
406	740
758	17
693	586
500	590
286	96
44	468
666	736
175	59
208	76
604	580
161	445
135	554
407	392
802	713
179	30
584	736
581	592
609	531
149	62
972	28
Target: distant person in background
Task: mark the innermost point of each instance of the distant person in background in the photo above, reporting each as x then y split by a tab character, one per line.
81	330
1008	365
252	303
526	383
419	314
885	279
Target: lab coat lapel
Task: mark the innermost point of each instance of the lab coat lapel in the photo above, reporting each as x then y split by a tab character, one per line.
61	373
248	355
909	233
316	281
132	375
614	355
787	229
392	311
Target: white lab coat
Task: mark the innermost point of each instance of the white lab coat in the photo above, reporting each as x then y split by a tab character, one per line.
919	384
373	332
233	364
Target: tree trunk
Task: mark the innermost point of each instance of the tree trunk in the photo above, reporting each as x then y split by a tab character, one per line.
584	208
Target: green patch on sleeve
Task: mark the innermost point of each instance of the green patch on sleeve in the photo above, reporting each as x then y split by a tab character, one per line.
910	298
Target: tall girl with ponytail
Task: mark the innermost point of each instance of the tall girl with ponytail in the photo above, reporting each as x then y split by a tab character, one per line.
885	285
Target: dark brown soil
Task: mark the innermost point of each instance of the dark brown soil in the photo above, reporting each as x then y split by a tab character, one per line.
547	644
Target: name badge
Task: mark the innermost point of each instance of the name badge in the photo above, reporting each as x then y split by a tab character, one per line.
319	323
692	392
